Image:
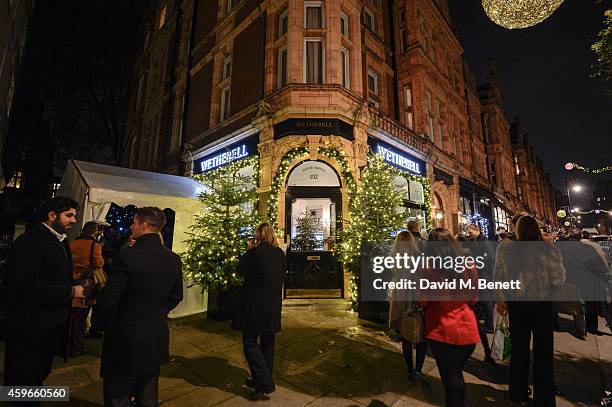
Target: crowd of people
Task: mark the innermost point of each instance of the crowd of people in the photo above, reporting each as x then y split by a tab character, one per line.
55	288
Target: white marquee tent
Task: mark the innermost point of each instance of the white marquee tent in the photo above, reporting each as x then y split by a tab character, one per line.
96	186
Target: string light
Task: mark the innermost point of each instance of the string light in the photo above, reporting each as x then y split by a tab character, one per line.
515	14
573	166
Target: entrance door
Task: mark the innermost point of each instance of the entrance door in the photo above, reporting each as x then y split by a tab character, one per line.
313	218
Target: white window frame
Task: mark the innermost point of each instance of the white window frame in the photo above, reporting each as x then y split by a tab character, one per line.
375	76
408	97
279	71
309	4
226	72
371	15
346	78
315	39
344	25
283	15
225	90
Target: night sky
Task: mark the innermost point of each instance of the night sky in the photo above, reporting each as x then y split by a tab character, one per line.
544	74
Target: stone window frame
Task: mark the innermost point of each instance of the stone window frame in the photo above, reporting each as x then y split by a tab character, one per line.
314	4
279	78
344	25
366	13
226	88
320	40
283	15
346	68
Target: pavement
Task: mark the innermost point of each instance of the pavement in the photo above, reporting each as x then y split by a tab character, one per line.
330	358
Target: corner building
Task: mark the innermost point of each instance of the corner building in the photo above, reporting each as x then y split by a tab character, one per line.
310	88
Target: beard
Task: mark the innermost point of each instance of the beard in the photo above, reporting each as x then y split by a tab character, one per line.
59	227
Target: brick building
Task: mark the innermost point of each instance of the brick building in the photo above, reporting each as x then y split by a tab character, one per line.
324	83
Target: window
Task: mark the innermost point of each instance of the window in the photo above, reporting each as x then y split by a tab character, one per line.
430	121
516	166
16	181
403	40
146	39
230	5
314	61
10	96
345	67
416	192
139	92
162	17
54	189
283	23
492	171
133	151
369	21
344	24
227	68
408	107
401	16
282	67
313	14
373	82
372	102
226	74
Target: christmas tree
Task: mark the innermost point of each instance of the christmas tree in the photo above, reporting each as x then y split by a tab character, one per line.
305	233
221	233
377	214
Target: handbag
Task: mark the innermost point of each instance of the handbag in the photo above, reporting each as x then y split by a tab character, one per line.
412	327
500	348
567	299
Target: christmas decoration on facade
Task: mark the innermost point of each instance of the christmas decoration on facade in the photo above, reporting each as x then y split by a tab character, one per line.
515	14
572	166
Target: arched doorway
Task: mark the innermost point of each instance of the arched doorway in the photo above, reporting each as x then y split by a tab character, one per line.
313	214
438	211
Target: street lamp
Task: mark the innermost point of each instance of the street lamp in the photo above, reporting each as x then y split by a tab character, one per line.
577	188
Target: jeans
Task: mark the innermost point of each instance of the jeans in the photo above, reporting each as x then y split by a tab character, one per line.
260	357
450	360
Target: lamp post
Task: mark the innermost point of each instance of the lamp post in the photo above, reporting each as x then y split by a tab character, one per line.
575	188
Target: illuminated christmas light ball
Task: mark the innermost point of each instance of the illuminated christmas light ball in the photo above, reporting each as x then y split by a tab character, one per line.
515	14
561	213
569	166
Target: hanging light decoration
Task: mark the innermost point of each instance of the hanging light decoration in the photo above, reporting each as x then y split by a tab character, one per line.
513	14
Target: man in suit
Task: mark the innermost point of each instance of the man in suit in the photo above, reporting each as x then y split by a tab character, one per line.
145	283
39	293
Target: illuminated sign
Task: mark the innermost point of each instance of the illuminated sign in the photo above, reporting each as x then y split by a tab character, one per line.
400	159
233	152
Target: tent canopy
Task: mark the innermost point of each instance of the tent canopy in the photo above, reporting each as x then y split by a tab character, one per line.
96	186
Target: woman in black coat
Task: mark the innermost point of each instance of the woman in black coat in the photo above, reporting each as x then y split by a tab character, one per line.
263	267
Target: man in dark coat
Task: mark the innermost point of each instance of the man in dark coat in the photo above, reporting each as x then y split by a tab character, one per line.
263	267
39	293
145	283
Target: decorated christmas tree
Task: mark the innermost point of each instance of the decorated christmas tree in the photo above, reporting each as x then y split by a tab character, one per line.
305	233
377	214
221	233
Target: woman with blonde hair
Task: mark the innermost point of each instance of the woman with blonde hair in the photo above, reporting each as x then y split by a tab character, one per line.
263	267
402	302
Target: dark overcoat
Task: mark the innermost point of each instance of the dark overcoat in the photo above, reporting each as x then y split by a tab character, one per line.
261	297
145	283
39	289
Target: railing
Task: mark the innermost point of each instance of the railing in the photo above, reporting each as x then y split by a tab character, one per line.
398	130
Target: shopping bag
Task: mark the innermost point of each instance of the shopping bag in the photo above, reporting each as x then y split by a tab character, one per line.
500	349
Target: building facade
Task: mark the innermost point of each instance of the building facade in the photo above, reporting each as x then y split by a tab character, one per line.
14	23
310	88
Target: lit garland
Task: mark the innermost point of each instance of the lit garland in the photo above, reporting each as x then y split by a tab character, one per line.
574	166
476	219
279	180
513	14
220	234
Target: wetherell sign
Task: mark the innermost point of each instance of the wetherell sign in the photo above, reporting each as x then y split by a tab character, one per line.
222	157
398	158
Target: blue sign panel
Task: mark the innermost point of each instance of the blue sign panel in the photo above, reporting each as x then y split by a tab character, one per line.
222	157
398	158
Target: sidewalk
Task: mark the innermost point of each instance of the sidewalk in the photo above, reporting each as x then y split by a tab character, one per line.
330	358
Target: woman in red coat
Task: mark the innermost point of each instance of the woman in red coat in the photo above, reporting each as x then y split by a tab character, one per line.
450	325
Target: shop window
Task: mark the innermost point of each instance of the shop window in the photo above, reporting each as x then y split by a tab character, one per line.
372	82
283	23
369	21
345	67
314	61
344	25
415	190
282	67
313	14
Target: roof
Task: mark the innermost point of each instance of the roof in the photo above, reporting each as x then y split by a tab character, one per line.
100	176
